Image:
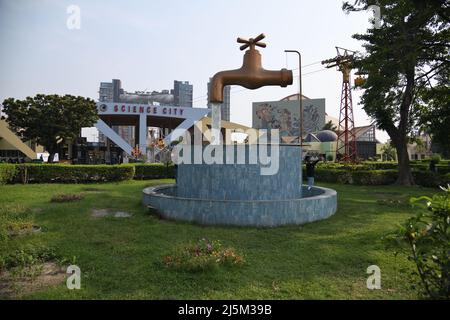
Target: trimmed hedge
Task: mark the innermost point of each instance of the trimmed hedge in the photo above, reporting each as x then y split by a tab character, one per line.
359	176
378	165
61	173
153	171
442	168
7	173
329	172
430	179
66	173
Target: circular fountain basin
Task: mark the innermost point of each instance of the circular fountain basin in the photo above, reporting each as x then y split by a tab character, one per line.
316	204
263	192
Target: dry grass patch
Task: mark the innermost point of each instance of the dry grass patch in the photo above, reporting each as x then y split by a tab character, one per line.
106	212
26	280
67	197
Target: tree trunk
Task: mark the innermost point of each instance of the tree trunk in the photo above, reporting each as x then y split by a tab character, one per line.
405	177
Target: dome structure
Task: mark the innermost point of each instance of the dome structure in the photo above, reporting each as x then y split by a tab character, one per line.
326	136
311	137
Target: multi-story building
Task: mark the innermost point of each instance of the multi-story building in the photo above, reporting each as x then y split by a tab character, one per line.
163	98
111	92
421	148
182	93
225	107
105	93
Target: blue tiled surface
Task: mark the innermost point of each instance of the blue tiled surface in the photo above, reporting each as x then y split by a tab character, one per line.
237	194
242	181
320	204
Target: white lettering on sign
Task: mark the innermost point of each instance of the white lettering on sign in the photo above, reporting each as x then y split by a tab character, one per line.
155	110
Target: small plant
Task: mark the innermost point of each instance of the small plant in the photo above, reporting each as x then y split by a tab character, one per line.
26	256
427	238
14	220
201	256
67	197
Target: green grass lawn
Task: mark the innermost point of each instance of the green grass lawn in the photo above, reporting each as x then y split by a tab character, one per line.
120	258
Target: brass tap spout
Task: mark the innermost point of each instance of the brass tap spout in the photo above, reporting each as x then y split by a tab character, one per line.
251	75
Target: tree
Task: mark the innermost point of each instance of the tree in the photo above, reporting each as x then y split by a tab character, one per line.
435	117
403	58
330	126
50	120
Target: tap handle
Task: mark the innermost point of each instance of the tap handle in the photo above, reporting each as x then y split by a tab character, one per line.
252	42
259	38
245	46
241	40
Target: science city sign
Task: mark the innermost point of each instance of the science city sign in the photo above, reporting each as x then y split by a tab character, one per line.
133	109
189	116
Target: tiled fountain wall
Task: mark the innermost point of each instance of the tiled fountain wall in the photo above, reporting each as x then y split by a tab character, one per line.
237	194
243	181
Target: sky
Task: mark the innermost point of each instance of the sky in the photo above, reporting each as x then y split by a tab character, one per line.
148	44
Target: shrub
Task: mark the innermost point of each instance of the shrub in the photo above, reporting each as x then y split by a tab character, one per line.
66	173
427	239
443	169
366	165
356	176
7	172
430	179
440	168
360	175
60	173
27	255
436	158
153	171
201	256
332	175
374	177
379	165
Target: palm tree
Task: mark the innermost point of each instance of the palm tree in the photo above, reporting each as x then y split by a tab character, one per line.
330	126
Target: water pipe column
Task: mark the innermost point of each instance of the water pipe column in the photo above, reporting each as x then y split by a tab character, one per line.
215	125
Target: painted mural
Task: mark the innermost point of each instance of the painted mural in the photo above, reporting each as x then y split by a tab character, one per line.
284	115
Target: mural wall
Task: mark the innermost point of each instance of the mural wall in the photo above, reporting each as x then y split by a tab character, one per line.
284	115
